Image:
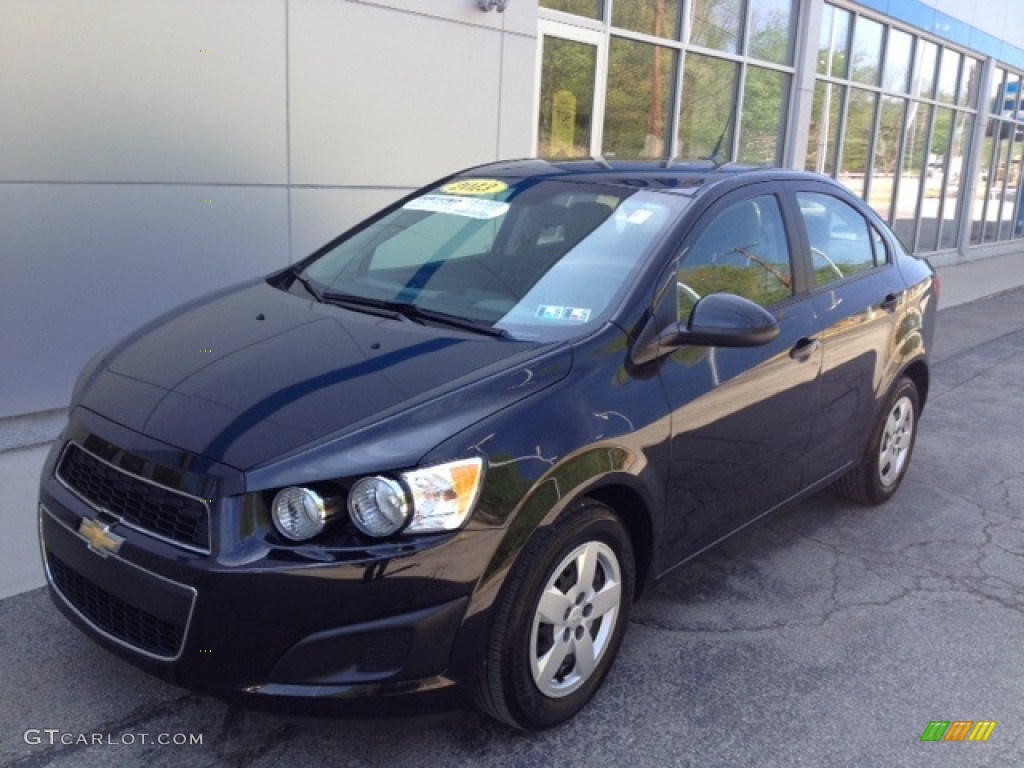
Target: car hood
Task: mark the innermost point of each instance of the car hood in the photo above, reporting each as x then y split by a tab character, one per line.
254	376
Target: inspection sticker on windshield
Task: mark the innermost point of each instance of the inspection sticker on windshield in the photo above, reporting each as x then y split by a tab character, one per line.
474	187
554	312
471	207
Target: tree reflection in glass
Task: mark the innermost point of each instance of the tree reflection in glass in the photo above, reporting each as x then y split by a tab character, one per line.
706	109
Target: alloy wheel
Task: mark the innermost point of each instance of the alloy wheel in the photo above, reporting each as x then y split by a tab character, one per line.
575	619
897	438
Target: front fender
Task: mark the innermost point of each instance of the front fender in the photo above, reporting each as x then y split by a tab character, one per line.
572	478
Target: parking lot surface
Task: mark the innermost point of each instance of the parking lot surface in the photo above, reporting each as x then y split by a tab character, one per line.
831	636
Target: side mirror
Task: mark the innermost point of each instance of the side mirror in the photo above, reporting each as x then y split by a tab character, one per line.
716	320
727	320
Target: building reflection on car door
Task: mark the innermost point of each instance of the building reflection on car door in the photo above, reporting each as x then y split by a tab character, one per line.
740	417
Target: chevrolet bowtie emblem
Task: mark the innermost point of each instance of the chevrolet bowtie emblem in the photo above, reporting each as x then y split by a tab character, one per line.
101	540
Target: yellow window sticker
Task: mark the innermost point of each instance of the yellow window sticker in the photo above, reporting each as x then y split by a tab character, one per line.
474	187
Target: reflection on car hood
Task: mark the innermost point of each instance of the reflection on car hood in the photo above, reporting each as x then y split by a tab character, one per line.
253	373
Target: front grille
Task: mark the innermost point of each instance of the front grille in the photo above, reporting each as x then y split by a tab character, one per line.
114	616
143	504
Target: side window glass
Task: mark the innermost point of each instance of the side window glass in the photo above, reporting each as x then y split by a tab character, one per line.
743	251
842	243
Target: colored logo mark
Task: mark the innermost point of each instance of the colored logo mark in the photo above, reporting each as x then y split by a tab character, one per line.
958	730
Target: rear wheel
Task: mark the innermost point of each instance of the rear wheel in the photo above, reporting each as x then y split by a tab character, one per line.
889	450
560	620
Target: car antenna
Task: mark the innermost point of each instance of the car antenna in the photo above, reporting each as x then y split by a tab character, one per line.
714	158
599	159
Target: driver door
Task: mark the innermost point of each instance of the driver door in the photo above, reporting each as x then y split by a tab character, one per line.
741	418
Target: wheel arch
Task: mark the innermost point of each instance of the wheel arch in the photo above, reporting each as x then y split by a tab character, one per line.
611	475
632	509
918	373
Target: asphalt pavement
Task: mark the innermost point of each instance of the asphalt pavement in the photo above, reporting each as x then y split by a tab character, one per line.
832	636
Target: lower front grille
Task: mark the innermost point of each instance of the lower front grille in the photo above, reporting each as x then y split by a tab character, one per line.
385	650
115	617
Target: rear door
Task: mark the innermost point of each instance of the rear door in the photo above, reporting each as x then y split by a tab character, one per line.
741	418
856	290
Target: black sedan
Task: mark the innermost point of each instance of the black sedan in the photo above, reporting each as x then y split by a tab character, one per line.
433	464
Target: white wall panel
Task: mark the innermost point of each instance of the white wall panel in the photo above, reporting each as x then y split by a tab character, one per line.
463	11
91	263
1013	27
999	18
382	97
191	98
520	16
142	90
518	92
318	215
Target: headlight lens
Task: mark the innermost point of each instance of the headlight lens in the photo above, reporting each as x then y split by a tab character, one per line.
443	495
378	506
426	500
299	513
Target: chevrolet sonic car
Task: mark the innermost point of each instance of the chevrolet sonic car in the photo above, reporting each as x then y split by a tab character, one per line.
432	465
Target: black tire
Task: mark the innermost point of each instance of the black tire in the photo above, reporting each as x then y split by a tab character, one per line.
889	450
512	688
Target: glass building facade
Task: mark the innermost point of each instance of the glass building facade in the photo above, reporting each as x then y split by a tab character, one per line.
925	127
662	78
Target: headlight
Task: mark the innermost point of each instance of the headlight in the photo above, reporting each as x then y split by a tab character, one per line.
444	495
422	501
378	506
300	513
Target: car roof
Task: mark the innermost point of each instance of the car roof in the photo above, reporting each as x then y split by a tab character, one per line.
687	178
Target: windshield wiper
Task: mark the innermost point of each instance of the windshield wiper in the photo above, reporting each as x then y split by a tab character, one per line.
409	311
476	326
364	304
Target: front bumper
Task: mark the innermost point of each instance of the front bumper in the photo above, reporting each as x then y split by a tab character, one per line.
297	632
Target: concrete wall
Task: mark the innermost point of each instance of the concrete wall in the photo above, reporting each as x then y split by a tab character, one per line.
153	150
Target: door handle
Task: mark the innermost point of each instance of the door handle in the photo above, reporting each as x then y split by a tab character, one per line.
891	301
803	349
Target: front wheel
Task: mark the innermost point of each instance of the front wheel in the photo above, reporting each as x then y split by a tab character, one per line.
560	620
889	450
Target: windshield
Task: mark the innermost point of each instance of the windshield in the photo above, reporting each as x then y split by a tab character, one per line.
537	259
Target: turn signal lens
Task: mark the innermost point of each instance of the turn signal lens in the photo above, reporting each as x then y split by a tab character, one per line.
443	495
